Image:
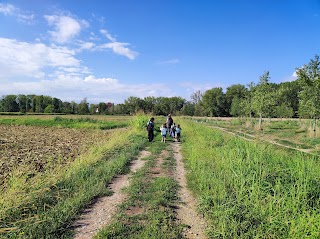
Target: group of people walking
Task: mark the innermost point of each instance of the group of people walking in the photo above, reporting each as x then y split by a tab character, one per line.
168	128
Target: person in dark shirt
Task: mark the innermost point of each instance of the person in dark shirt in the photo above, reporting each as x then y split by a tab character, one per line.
150	127
169	123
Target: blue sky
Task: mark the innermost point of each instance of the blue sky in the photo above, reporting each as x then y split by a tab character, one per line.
110	50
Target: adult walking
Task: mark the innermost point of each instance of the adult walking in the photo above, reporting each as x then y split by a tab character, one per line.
150	127
169	123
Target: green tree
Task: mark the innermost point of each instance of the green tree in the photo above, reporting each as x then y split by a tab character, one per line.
288	98
49	109
121	109
236	108
309	97
39	104
92	109
149	103
57	105
235	91
83	107
23	103
34	103
175	104
214	101
10	104
66	107
188	109
264	97
134	104
74	107
102	107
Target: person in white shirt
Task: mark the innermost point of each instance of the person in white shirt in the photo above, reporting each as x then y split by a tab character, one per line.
163	130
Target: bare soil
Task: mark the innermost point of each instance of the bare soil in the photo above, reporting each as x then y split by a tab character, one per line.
101	211
36	149
187	210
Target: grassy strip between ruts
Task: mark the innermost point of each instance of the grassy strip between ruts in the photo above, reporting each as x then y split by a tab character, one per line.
149	211
251	190
46	207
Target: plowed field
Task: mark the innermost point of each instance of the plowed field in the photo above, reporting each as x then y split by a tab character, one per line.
31	150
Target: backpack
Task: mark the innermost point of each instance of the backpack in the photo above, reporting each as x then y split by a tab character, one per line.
149	126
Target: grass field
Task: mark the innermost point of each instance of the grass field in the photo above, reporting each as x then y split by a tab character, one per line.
250	189
295	133
54	166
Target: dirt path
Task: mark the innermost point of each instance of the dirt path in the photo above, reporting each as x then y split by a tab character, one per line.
101	211
309	151
187	213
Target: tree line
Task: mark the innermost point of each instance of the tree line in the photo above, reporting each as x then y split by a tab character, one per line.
298	98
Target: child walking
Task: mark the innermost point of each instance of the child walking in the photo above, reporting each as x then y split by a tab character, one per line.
163	130
173	130
178	132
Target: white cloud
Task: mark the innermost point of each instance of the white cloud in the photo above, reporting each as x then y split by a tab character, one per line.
172	61
102	81
107	35
11	10
31	59
69	87
8	9
35	68
65	27
85	46
120	49
117	47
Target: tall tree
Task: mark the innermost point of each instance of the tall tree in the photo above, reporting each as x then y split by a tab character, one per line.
264	97
309	97
102	108
134	104
57	104
23	103
39	104
237	92
196	97
10	104
149	103
188	109
214	101
83	107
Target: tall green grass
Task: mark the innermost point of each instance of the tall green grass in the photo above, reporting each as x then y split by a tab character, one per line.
251	190
46	205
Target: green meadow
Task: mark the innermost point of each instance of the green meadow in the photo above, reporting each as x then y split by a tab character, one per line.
245	187
251	189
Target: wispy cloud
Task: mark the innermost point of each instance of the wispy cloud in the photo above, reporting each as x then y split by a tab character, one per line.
120	49
107	35
8	9
172	61
65	27
11	10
